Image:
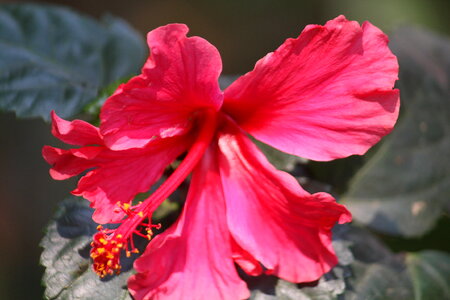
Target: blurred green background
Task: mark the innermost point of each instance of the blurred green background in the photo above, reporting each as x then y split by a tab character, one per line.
243	31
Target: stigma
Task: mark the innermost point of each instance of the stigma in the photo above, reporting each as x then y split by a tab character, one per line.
106	252
109	244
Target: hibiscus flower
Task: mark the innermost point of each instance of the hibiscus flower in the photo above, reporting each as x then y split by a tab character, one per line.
325	95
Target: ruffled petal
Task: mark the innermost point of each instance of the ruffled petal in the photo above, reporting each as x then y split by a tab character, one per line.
75	132
120	175
112	176
245	260
179	78
270	216
192	259
69	163
325	95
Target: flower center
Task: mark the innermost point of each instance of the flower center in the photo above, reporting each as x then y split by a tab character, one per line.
108	244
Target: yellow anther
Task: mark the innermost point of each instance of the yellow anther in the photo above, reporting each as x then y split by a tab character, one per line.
128	253
103	241
135	250
100	250
140	214
126	206
119	236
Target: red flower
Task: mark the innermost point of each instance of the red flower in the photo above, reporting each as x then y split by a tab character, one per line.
324	95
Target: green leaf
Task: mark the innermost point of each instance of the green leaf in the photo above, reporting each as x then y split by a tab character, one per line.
377	273
430	273
380	274
52	58
367	269
68	274
404	187
379	282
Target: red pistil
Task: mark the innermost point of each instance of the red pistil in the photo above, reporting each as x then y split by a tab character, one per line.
107	244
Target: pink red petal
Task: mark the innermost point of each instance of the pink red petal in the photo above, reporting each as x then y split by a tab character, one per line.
77	132
245	260
325	95
192	259
179	78
112	176
69	163
272	217
121	175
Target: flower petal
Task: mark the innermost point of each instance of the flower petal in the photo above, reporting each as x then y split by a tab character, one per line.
76	132
192	259
69	163
325	95
269	215
121	175
112	176
179	78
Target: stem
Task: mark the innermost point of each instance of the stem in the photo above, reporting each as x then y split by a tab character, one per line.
207	130
106	245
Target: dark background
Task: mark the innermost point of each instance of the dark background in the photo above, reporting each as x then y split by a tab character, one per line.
243	31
